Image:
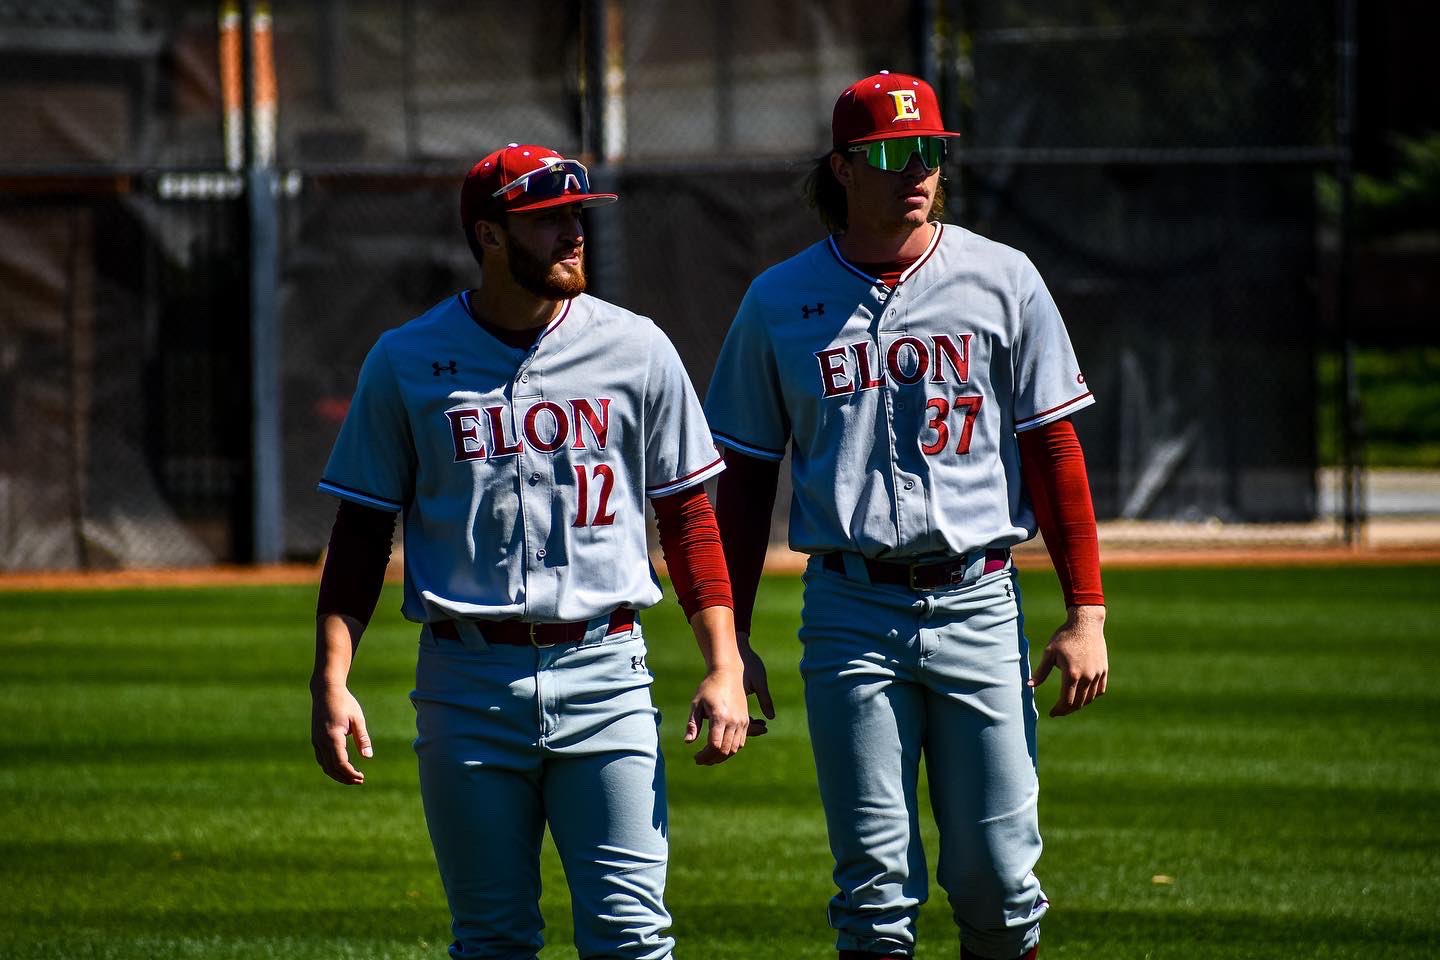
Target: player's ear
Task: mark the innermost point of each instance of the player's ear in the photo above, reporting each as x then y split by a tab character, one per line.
488	234
841	168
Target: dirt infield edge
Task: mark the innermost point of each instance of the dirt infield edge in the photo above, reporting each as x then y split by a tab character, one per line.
1031	556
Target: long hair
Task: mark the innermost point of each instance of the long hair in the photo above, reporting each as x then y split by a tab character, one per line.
827	196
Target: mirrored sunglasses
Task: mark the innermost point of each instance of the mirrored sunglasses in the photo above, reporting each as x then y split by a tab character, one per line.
894	155
554	180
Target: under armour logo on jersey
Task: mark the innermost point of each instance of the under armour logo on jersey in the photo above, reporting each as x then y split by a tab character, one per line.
449	368
818	310
637	663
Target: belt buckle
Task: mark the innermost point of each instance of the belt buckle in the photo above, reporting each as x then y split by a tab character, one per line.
956	574
533	642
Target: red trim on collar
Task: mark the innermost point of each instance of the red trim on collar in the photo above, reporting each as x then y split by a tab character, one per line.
906	274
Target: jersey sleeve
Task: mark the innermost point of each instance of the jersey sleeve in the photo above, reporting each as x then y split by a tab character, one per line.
1048	381
373	460
744	403
679	450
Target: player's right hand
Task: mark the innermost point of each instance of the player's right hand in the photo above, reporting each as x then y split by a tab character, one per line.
719	699
334	715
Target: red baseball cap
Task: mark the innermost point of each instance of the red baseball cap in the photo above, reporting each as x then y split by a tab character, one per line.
886	105
525	176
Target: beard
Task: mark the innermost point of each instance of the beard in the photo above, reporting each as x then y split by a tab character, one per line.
543	277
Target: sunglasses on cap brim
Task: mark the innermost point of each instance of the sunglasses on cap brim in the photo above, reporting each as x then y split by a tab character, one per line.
553	180
894	155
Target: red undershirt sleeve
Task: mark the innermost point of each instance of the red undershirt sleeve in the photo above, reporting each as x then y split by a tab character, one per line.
1053	466
355	562
744	500
690	543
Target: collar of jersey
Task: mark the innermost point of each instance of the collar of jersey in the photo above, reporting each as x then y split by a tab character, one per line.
549	328
909	271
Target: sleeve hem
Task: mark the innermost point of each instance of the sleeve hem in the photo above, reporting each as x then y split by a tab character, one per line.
1045	417
689	480
762	453
359	496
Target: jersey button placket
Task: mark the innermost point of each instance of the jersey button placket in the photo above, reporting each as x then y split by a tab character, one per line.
536	493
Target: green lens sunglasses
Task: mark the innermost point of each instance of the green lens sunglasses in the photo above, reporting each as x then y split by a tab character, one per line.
894	155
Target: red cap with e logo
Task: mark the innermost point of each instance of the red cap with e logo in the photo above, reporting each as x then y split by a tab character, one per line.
886	105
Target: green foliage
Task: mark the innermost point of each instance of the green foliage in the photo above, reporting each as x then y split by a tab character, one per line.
1263	744
1400	406
1409	201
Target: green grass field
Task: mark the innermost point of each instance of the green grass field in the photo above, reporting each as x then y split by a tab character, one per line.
1269	742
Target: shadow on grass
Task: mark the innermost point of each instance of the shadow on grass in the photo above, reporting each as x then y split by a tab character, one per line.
1179	933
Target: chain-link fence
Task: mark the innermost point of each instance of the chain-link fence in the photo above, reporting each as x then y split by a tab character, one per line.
1155	160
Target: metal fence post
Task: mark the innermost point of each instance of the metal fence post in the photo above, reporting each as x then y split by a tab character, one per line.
602	138
1352	476
267	515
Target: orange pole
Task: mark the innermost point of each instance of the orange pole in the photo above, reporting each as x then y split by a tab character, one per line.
266	104
232	99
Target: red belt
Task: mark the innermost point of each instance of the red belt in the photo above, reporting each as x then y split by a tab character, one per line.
524	633
922	576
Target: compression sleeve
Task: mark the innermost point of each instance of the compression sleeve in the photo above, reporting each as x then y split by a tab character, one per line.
355	561
1053	465
744	500
690	543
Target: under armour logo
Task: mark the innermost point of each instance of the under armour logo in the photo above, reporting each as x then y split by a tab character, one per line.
818	310
448	368
637	663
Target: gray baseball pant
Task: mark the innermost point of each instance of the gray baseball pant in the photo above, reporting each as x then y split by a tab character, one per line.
511	739
892	675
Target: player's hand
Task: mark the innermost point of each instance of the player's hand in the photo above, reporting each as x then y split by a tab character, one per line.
720	699
756	682
1078	649
334	715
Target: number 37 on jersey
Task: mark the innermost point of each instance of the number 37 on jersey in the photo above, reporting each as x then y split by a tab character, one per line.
907	360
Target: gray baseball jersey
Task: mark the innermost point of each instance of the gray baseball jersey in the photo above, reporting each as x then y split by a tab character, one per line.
522	474
900	406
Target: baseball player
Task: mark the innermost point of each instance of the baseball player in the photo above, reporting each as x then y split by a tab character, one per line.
922	380
520	428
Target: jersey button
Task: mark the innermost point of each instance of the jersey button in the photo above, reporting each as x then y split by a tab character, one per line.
524	378
909	484
534	479
540	554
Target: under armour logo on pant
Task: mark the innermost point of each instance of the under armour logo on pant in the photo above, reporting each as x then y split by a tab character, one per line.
448	368
818	310
637	663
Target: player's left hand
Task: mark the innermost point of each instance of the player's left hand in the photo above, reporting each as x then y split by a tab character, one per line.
757	681
1078	649
719	699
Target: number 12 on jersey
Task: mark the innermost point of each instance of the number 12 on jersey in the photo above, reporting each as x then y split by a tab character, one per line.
604	484
941	409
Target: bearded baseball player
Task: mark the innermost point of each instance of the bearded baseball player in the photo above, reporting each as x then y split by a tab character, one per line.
922	381
520	428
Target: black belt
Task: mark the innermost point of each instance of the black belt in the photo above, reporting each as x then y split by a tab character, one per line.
933	575
524	633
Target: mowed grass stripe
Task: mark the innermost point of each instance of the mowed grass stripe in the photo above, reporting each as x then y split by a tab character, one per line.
1268	749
